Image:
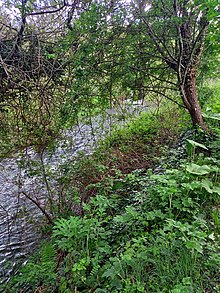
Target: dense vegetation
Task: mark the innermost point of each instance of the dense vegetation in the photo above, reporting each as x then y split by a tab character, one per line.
154	229
141	213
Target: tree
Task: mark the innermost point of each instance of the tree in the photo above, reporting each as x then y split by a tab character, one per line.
147	47
33	79
177	30
61	54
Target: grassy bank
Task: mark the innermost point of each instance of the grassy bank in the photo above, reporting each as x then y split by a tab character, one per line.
139	215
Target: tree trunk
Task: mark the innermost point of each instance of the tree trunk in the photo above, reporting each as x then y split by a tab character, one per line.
189	95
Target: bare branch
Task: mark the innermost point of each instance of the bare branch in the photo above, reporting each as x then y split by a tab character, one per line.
196	52
166	96
46	11
38	205
172	63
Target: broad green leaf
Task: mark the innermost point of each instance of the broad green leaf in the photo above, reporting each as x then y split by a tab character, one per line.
194	245
214	116
191	145
207	184
196	144
216	190
198	170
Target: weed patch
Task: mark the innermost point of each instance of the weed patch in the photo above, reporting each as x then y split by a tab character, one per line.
143	232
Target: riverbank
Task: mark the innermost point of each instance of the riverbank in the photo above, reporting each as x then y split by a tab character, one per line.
29	185
153	226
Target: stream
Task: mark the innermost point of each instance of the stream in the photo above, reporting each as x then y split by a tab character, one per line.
20	220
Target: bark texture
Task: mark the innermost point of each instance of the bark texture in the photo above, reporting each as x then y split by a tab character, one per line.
186	25
189	96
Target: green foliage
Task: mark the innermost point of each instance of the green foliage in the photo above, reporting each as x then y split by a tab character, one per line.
211	93
146	233
191	146
141	127
143	232
39	269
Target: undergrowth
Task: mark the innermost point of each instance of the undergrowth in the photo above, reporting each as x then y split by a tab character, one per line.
150	230
136	146
149	218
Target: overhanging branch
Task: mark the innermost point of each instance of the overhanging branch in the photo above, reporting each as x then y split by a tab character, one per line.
166	96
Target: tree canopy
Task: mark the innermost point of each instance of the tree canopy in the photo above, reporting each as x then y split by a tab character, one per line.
58	55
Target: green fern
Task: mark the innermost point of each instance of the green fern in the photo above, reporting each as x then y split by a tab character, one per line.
41	267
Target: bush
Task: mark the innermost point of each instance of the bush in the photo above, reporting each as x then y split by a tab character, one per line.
147	233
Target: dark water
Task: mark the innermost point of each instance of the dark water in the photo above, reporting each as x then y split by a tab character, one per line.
20	219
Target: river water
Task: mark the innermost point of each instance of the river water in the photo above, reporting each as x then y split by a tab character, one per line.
20	220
